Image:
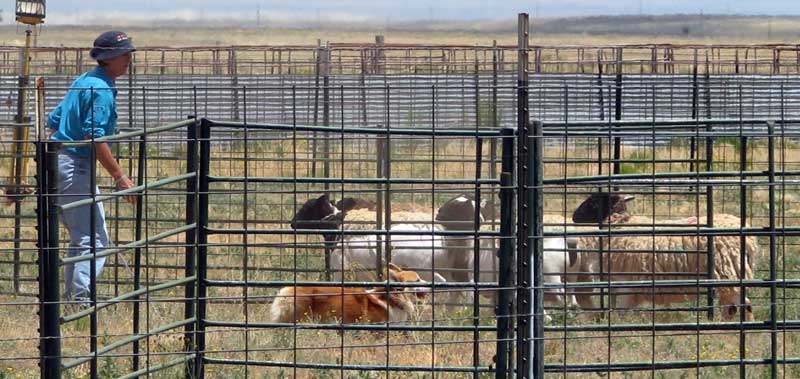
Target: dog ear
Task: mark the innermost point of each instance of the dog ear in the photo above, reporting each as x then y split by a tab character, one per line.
393	267
392	275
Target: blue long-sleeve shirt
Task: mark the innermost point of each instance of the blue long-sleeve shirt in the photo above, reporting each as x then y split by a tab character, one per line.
88	109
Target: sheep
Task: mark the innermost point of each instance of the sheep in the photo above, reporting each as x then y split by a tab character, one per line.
624	255
459	213
418	251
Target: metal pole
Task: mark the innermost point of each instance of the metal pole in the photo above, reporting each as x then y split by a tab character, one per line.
524	289
773	258
202	248
710	221
618	110
506	257
137	253
535	203
49	301
325	65
189	253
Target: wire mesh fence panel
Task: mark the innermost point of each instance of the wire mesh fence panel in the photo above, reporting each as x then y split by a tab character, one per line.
703	137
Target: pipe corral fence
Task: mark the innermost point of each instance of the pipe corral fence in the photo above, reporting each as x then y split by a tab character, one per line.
227	144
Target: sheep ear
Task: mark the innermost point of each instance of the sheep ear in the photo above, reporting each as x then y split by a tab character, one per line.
628	198
483	203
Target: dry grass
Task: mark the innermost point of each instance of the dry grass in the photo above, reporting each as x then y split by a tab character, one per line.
19	322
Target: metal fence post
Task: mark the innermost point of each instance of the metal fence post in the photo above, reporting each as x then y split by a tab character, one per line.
535	202
191	234
47	223
202	248
525	286
506	257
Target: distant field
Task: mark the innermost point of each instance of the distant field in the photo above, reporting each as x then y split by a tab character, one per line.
585	31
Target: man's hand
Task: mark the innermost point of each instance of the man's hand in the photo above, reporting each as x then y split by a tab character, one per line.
124	182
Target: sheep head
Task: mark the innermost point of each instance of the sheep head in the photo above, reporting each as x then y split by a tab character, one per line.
319	214
458	213
602	207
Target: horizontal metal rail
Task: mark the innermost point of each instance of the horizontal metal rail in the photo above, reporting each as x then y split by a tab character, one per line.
682	327
256	179
365	327
698	177
378	130
118	299
129	191
620	230
694	123
704	283
132	134
347	232
159	367
128	340
649	366
281	283
126	247
348	367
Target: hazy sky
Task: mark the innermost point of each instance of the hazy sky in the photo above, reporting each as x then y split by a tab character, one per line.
112	12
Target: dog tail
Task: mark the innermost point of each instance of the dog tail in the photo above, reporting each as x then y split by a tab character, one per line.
282	309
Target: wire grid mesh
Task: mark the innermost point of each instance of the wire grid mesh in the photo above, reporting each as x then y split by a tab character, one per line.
463	99
740	175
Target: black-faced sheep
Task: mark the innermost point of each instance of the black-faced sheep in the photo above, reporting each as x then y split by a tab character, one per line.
659	257
417	247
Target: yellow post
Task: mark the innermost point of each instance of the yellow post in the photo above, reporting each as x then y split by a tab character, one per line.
18	171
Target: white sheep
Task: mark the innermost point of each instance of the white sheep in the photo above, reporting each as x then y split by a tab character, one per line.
459	213
637	257
419	249
557	262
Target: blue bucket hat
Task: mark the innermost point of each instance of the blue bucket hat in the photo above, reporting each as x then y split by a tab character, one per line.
111	44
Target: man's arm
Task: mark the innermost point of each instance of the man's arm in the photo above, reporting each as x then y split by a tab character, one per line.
106	158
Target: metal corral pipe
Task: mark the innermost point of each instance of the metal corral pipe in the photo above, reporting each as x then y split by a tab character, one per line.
749	231
239	362
648	124
127	340
139	188
367	327
289	179
372	131
47	223
682	327
191	235
685	283
773	255
671	175
650	366
126	247
311	283
129	135
129	295
525	312
202	247
151	369
506	256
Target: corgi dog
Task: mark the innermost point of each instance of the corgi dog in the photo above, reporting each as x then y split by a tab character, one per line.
349	304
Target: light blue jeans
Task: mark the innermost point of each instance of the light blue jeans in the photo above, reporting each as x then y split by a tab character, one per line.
75	183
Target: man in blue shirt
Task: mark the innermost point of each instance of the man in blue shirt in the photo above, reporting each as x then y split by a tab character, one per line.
88	111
